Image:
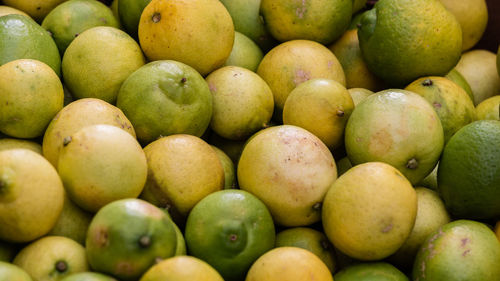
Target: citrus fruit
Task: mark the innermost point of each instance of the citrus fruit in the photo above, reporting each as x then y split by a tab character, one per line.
87	276
101	163
343	165
295	170
294	62
32	94
397	127
7	10
322	20
489	109
37	9
311	240
430	181
229	230
473	18
72	223
228	166
31	195
402	40
186	31
451	103
359	94
357	74
498	61
97	62
10	272
126	237
289	263
248	20
497	230
182	170
76	115
459	250
129	12
469	174
232	148
9	143
51	258
369	211
245	53
459	79
377	271
358	5
479	68
114	9
321	106
69	19
23	38
431	214
164	98
182	268
242	100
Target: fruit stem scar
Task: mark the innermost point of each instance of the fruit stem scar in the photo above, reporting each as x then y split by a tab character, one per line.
233	237
317	206
412	164
145	241
183	80
340	113
156	17
66	141
427	82
61	266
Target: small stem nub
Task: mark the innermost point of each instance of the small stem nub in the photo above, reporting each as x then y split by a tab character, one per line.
61	266
233	237
340	113
66	140
156	17
427	82
317	206
145	241
183	80
412	164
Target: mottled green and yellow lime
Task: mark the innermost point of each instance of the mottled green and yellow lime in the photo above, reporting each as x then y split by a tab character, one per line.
31	195
395	42
397	127
229	230
295	170
187	31
182	170
72	223
182	268
289	263
32	94
10	272
489	109
469	174
376	271
88	276
9	143
321	106
473	18
51	258
166	97
294	62
431	215
451	103
309	20
446	251
359	94
228	166
369	211
459	79
357	74
105	158
479	68
23	38
66	21
97	62
242	102
245	53
311	240
7	10
37	9
75	116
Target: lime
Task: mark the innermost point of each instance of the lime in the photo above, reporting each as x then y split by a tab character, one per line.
489	109
377	271
182	268
245	53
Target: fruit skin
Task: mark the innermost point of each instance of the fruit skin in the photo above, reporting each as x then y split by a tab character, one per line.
498	61
69	19
459	250
7	10
279	164
229	229
37	9
397	127
10	143
130	12
186	31
245	53
181	268
166	97
32	94
23	38
468	173
127	236
72	223
459	79
489	109
228	166
378	271
88	276
31	197
10	272
394	40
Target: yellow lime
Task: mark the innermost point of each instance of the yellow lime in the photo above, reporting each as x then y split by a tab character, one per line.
182	268
489	109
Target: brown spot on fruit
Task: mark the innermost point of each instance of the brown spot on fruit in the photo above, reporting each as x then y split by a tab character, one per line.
464	242
101	237
61	266
67	140
301	76
412	164
387	228
427	82
156	17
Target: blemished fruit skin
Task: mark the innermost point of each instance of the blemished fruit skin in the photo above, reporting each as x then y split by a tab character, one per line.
469	174
127	236
460	250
